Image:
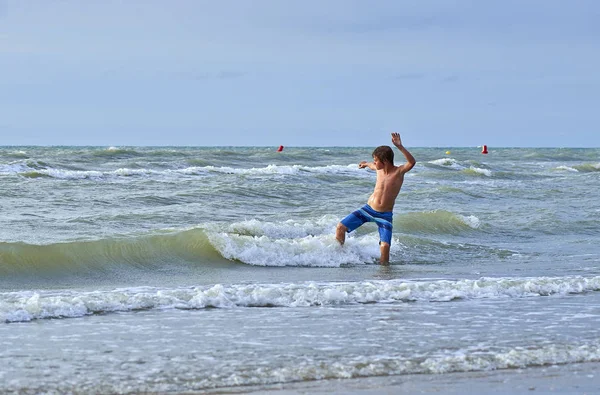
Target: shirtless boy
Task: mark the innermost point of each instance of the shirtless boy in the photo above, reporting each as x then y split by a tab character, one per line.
381	203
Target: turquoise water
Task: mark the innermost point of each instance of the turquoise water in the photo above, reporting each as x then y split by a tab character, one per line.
183	268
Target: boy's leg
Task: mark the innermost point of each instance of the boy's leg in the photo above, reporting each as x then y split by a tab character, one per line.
340	233
385	240
348	224
385	253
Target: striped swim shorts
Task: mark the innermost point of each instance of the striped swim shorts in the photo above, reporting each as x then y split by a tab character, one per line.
367	214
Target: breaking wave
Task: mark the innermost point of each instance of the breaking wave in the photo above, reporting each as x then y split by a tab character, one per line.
301	243
32	305
29	171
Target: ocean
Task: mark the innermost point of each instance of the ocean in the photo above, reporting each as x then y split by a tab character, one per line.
194	269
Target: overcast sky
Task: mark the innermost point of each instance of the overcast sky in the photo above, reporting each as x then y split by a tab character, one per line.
300	73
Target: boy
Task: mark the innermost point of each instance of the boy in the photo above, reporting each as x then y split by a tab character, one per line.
381	203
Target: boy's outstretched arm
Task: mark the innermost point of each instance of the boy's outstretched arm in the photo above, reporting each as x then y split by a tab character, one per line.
364	164
410	160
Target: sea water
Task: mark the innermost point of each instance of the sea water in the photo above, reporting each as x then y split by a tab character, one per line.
131	269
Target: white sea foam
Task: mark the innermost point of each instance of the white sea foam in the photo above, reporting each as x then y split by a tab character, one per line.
317	251
384	365
28	305
295	243
287	229
18	154
132	172
20	168
276	169
12	168
70	174
567	168
450	163
471	221
193	373
311	243
485	172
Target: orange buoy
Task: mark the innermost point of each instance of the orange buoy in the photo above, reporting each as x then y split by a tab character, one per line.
280	148
484	149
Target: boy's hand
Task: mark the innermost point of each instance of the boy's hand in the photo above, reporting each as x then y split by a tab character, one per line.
363	164
396	140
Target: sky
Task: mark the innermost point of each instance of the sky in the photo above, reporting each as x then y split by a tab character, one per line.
455	73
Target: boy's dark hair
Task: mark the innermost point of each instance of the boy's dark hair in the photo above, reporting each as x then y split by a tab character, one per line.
384	153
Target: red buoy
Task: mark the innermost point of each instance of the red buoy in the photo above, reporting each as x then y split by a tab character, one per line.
484	149
280	148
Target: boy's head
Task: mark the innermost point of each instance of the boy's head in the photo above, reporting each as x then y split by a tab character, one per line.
384	153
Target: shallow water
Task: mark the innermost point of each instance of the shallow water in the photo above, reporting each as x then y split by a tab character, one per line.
174	269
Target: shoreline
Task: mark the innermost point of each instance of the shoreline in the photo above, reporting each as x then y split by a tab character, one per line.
579	378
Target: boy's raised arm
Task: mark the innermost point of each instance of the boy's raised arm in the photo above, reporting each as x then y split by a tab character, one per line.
410	160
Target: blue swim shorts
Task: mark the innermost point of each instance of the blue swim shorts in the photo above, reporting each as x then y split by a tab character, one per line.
367	214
